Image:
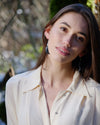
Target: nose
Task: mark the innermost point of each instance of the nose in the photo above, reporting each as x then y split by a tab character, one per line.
68	41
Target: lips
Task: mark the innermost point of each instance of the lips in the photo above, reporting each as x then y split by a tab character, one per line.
63	51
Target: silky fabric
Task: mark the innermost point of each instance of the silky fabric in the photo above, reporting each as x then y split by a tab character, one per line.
26	102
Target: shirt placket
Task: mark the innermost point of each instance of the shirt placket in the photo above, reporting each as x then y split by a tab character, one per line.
43	107
58	105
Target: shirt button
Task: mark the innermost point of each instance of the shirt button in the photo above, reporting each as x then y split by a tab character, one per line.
56	113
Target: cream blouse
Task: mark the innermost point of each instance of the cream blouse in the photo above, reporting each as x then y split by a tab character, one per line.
26	102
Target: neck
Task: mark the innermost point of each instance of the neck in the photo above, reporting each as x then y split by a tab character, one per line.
56	74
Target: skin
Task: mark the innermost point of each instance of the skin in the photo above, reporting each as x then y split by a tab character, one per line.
67	39
69	36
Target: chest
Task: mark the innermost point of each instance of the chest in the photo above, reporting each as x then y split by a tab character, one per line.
29	109
66	109
50	95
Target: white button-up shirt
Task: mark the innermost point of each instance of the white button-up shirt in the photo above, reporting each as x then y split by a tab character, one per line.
26	102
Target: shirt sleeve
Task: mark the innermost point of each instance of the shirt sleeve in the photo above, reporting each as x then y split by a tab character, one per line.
11	102
97	107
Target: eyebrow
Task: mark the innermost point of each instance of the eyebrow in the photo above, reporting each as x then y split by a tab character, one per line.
83	34
65	23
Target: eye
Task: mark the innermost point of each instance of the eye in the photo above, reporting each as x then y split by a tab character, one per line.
63	29
81	39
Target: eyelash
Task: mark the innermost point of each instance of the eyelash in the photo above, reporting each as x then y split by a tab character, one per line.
81	39
63	29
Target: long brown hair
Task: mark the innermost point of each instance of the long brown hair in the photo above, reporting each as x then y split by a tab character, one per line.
89	64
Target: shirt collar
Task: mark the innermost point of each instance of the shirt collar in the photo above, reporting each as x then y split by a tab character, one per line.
78	83
75	81
32	80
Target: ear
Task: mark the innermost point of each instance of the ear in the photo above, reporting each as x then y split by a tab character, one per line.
47	32
83	53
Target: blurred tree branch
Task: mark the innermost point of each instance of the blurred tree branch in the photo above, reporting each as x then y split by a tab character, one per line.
7	25
37	6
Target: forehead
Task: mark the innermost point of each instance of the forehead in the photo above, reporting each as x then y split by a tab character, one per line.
74	19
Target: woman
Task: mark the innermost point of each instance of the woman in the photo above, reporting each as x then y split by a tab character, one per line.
60	90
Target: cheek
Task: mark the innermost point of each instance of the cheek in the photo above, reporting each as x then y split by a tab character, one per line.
53	39
79	45
53	42
51	45
78	48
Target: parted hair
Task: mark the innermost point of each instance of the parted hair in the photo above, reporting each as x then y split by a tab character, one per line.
89	64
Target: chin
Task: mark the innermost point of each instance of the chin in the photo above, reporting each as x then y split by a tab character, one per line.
60	60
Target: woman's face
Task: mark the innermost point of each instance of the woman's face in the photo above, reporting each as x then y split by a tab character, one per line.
67	38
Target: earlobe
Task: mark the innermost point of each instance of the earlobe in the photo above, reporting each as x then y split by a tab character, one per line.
47	32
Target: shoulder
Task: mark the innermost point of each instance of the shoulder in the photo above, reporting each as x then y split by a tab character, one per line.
92	83
17	81
20	83
94	91
93	86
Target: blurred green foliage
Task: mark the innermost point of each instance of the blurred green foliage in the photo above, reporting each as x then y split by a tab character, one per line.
4	64
40	49
90	4
31	52
28	49
56	5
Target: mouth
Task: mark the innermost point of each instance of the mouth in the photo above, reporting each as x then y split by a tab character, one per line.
63	51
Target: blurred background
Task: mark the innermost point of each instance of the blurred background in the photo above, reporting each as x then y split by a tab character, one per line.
21	26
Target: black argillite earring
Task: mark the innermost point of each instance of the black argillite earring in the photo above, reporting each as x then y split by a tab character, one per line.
46	49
